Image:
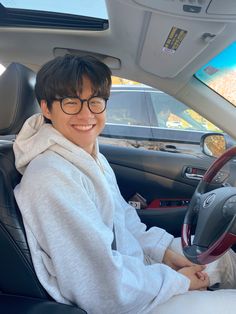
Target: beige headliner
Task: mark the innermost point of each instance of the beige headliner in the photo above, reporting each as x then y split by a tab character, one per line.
133	47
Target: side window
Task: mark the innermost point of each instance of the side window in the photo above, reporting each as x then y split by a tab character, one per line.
143	117
173	114
127	107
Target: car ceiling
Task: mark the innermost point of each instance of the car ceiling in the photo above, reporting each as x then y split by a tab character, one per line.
133	47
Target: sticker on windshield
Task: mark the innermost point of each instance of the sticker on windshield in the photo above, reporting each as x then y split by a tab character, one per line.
174	39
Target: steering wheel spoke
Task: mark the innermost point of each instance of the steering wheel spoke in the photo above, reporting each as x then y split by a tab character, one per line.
214	214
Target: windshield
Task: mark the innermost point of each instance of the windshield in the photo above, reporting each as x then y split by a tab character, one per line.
220	73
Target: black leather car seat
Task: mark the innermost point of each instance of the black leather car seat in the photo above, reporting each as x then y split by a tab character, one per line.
17	103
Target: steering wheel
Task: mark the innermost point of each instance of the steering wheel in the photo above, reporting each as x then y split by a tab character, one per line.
214	213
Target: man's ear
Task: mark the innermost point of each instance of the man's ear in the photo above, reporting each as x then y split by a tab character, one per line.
45	111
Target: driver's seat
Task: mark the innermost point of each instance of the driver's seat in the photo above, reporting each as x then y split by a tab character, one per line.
17	275
17	103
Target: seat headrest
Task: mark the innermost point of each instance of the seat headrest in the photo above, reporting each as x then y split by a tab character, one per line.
17	98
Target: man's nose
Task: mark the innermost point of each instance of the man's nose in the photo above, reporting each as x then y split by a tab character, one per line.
85	111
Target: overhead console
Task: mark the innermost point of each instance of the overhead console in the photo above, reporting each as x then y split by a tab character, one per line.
171	43
176	32
204	9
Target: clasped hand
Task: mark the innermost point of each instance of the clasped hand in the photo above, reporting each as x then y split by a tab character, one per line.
199	280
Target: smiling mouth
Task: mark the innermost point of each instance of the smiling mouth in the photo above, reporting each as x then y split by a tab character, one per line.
86	127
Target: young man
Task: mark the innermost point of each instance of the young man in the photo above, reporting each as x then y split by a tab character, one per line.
88	245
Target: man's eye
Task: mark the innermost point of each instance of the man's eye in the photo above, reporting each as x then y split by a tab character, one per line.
70	102
96	101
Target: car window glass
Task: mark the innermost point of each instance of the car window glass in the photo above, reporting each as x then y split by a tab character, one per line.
171	113
127	108
220	73
89	8
141	116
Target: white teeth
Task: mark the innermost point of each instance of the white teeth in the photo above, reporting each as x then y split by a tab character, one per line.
83	127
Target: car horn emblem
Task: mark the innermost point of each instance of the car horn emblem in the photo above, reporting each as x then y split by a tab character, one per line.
209	200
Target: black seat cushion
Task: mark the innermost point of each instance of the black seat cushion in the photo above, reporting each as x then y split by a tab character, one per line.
17	274
17	103
21	305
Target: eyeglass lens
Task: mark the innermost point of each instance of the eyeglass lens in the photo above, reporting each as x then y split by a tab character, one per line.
74	105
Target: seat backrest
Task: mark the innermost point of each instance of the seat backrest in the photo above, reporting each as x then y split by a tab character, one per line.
17	103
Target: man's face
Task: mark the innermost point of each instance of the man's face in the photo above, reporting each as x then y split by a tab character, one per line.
83	128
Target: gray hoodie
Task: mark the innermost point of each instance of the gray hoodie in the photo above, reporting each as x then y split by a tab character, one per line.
69	202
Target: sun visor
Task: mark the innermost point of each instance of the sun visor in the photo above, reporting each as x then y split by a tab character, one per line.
171	44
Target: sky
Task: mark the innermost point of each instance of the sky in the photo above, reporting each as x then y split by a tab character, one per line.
96	8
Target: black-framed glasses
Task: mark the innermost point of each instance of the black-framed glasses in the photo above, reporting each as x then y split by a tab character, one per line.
73	105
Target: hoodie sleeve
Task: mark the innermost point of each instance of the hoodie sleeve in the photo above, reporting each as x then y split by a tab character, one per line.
73	255
154	241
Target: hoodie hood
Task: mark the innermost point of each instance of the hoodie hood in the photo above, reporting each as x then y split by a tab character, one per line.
36	137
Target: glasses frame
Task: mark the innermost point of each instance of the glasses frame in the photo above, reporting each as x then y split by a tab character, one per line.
82	103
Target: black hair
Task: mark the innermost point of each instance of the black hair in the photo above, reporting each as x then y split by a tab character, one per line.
63	76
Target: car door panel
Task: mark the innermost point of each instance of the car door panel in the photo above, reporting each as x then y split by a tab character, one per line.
156	175
169	219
